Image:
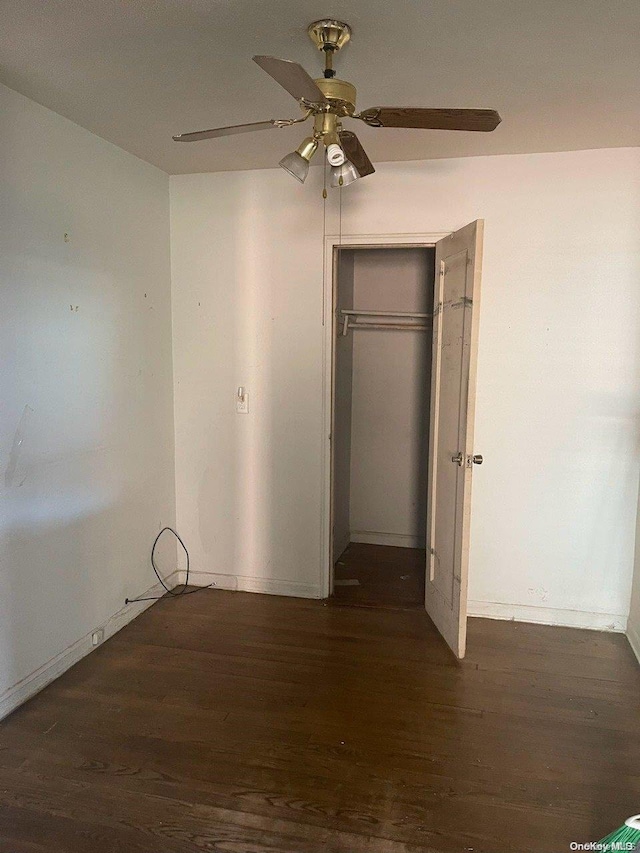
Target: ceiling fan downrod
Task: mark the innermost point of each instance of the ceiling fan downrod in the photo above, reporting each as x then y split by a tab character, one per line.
329	35
328	61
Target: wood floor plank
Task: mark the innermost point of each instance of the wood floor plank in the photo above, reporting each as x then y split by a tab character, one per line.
238	722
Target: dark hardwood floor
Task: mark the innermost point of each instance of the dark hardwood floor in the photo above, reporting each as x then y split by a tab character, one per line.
253	724
380	576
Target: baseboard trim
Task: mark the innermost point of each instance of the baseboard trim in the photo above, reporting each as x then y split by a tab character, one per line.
548	616
268	586
634	640
52	669
397	540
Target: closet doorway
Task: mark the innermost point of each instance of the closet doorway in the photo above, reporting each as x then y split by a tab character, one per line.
403	344
381	425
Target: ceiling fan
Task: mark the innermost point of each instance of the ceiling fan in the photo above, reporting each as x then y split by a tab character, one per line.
329	100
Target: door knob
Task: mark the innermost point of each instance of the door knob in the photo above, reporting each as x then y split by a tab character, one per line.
457	458
477	459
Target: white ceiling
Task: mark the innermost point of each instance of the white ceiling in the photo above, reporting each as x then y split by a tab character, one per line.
564	75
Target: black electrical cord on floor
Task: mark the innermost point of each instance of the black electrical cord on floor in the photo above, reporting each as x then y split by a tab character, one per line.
172	592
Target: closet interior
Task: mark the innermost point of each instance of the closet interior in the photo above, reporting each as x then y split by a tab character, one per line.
382	376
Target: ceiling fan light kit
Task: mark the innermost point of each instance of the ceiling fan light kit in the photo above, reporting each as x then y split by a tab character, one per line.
330	100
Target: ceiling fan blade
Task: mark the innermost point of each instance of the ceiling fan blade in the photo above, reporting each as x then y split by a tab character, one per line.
355	153
291	77
431	119
225	131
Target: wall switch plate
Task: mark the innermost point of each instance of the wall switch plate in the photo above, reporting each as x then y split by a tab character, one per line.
242	401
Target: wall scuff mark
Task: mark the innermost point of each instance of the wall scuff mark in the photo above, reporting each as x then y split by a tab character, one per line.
16	447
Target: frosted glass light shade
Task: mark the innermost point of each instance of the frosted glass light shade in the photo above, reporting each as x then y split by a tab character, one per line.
347	172
296	165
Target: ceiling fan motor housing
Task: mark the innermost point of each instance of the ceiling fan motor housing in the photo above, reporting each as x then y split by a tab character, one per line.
340	94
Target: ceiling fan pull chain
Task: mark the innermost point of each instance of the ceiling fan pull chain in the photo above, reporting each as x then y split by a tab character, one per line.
324	240
324	184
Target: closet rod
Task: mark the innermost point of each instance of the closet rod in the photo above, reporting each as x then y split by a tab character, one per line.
406	327
353	313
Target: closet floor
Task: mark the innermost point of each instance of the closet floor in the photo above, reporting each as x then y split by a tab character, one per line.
380	576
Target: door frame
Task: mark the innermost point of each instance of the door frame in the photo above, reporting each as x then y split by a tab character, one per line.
332	243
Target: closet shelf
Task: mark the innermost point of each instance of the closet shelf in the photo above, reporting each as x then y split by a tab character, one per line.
388	320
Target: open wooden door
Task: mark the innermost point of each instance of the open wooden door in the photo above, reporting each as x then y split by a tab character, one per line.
451	452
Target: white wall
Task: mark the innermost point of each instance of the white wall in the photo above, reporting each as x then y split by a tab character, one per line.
246	260
390	402
86	419
554	504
